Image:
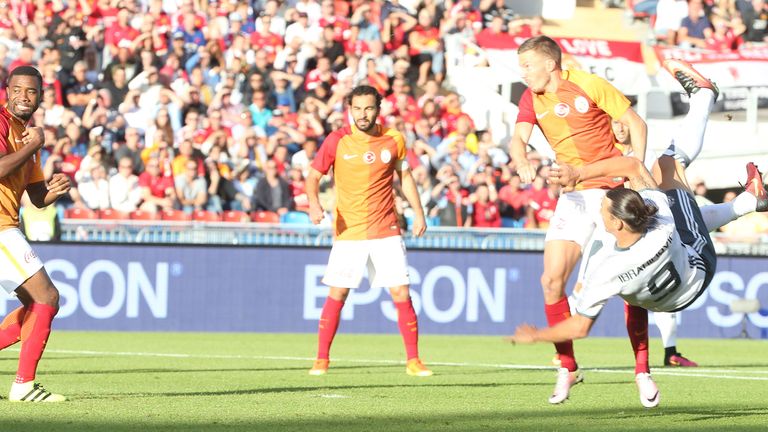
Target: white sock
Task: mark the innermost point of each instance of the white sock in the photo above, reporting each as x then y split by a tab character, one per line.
744	203
667	324
690	135
717	215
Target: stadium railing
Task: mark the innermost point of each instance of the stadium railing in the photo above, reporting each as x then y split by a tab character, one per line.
262	234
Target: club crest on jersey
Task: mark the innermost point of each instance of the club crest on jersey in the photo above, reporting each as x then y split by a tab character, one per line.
369	157
562	109
582	104
386	156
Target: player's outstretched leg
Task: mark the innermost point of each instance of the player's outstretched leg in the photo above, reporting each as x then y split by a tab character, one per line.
649	391
688	77
754	198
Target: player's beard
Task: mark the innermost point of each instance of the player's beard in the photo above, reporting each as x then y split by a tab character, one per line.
369	125
22	114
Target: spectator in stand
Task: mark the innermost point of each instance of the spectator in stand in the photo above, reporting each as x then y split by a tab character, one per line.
298	189
695	28
426	49
124	189
117	87
495	37
513	201
131	148
120	31
669	16
264	40
485	207
746	227
157	188
542	202
79	91
272	192
94	187
724	37
495	8
754	15
451	113
191	188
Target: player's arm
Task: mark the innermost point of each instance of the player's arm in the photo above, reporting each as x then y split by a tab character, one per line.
312	184
575	327
638	132
518	150
43	195
33	141
411	193
624	166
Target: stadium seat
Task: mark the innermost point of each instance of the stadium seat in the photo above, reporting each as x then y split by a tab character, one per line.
144	215
112	214
263	216
175	215
206	216
78	213
236	216
295	218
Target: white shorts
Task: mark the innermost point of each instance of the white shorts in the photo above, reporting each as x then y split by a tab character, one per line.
18	262
384	259
576	216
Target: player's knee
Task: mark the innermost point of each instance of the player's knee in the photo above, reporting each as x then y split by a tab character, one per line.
51	297
554	287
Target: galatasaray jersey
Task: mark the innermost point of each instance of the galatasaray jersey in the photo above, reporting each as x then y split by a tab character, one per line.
658	272
363	170
576	120
13	185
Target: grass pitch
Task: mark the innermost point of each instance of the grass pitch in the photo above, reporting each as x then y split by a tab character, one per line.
259	382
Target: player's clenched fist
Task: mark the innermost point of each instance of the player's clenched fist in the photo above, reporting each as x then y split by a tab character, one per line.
316	213
33	136
59	184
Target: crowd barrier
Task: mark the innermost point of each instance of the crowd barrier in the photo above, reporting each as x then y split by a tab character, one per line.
278	289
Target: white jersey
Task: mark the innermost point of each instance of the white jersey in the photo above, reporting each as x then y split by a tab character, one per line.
659	272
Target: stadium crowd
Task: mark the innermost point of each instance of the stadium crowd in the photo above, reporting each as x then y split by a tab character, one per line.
217	107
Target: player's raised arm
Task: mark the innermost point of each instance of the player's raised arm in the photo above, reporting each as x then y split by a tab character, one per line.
629	167
518	150
638	132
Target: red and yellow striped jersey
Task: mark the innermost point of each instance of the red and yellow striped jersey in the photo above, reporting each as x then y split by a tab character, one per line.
14	184
576	120
363	170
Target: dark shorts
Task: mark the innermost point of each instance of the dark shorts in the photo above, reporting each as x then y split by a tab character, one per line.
693	232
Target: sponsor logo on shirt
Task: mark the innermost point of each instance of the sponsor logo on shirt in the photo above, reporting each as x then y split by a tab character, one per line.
582	104
562	109
349	156
542	115
369	157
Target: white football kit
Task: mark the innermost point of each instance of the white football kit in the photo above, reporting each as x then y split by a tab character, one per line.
664	271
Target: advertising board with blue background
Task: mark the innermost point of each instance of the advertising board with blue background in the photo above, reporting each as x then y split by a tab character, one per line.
244	289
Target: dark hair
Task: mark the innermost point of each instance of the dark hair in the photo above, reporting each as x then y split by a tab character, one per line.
544	45
364	90
628	206
27	71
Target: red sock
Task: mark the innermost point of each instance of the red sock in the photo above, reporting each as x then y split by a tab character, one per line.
637	328
556	313
409	328
326	329
10	328
34	334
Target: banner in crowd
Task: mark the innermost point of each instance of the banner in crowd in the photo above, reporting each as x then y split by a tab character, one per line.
201	288
621	63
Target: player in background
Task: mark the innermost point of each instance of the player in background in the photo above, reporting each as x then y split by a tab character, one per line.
655	251
365	156
23	272
573	109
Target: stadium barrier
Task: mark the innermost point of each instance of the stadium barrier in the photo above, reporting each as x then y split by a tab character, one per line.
120	287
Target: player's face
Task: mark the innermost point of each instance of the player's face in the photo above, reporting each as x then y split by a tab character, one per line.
23	96
621	131
536	70
364	112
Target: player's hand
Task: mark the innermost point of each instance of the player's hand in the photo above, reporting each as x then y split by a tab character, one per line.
565	175
527	172
33	136
316	213
419	226
524	334
59	184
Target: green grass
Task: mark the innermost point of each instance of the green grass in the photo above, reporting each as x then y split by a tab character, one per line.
259	382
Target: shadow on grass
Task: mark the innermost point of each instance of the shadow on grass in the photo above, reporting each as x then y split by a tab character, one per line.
697	419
